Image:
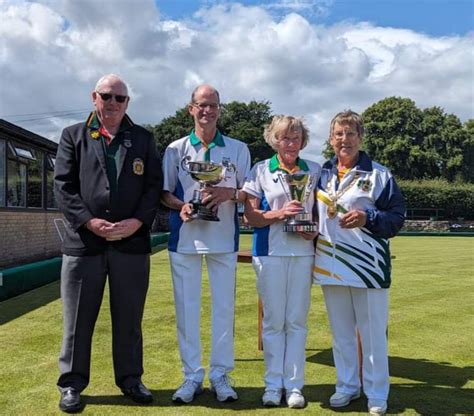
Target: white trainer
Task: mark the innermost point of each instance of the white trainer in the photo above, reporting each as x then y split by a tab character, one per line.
187	392
342	399
377	407
272	397
223	390
295	399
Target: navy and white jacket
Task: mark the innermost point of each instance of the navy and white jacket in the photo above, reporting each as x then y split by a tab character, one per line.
358	257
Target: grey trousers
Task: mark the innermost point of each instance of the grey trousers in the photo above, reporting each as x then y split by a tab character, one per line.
82	288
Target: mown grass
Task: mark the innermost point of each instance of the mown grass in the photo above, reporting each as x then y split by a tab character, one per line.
430	338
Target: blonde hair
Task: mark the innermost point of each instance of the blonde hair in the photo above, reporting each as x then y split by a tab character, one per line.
284	123
348	117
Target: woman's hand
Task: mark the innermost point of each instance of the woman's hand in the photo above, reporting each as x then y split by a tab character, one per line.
308	235
353	219
290	209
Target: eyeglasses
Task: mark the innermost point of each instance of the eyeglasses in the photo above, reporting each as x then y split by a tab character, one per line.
202	106
288	140
106	97
339	135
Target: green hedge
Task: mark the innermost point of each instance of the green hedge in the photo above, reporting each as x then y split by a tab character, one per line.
454	200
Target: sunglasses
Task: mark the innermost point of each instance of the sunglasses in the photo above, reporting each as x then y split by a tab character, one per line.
106	97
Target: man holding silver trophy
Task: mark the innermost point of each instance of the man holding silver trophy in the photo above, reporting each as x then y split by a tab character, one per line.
203	174
280	199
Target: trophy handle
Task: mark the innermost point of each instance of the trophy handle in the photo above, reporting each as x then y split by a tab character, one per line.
282	180
184	163
309	185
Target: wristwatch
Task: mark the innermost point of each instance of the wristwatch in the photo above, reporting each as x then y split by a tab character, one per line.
235	198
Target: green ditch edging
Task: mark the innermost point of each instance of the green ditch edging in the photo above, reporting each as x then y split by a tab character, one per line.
20	279
17	280
416	233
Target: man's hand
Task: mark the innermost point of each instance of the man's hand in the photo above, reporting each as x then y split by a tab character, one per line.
123	229
99	226
113	231
213	196
353	219
186	211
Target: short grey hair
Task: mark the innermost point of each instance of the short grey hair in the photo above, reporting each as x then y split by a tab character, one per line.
193	94
282	123
106	78
348	117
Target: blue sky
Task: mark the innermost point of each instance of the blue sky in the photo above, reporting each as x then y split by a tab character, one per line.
309	58
432	17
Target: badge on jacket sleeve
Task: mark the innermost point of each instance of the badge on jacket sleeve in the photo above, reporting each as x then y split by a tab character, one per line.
138	166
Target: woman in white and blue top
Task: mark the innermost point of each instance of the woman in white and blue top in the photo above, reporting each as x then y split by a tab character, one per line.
282	260
360	206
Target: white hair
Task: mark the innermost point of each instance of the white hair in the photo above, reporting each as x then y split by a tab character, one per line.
108	77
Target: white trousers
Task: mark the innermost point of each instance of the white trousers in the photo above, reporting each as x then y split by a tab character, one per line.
186	273
284	285
350	309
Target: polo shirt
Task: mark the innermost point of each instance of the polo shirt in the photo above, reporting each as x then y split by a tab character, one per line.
266	183
200	236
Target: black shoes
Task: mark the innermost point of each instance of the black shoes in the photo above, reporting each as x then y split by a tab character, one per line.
70	401
139	393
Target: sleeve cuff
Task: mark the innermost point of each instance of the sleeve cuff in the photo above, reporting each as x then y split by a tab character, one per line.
369	222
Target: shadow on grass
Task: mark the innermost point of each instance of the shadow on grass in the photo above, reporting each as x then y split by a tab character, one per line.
249	398
423	399
437	387
13	308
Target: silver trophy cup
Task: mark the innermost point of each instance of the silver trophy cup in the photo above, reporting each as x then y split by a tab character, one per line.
298	186
207	174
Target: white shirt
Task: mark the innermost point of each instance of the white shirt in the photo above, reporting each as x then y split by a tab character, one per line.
266	183
201	236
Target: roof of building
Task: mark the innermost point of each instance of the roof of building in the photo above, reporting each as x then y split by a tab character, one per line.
16	132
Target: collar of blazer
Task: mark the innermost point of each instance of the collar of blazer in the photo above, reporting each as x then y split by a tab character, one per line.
93	124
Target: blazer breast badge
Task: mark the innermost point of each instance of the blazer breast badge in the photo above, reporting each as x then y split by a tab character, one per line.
138	166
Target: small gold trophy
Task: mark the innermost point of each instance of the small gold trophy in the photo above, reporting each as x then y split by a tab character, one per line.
298	186
207	174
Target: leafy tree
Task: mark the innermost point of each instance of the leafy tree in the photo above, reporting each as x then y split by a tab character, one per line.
414	143
238	120
172	128
392	136
468	167
246	122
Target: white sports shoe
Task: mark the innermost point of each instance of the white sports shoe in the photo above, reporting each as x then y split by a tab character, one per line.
272	397
295	399
342	399
187	392
377	407
224	391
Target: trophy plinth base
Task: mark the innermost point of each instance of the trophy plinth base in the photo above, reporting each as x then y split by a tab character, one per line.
304	226
200	212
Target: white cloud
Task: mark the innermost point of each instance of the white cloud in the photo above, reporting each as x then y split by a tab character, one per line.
308	7
52	53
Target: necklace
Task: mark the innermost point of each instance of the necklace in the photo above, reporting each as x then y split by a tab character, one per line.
334	196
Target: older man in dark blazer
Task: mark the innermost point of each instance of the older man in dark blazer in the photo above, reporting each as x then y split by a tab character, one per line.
108	184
